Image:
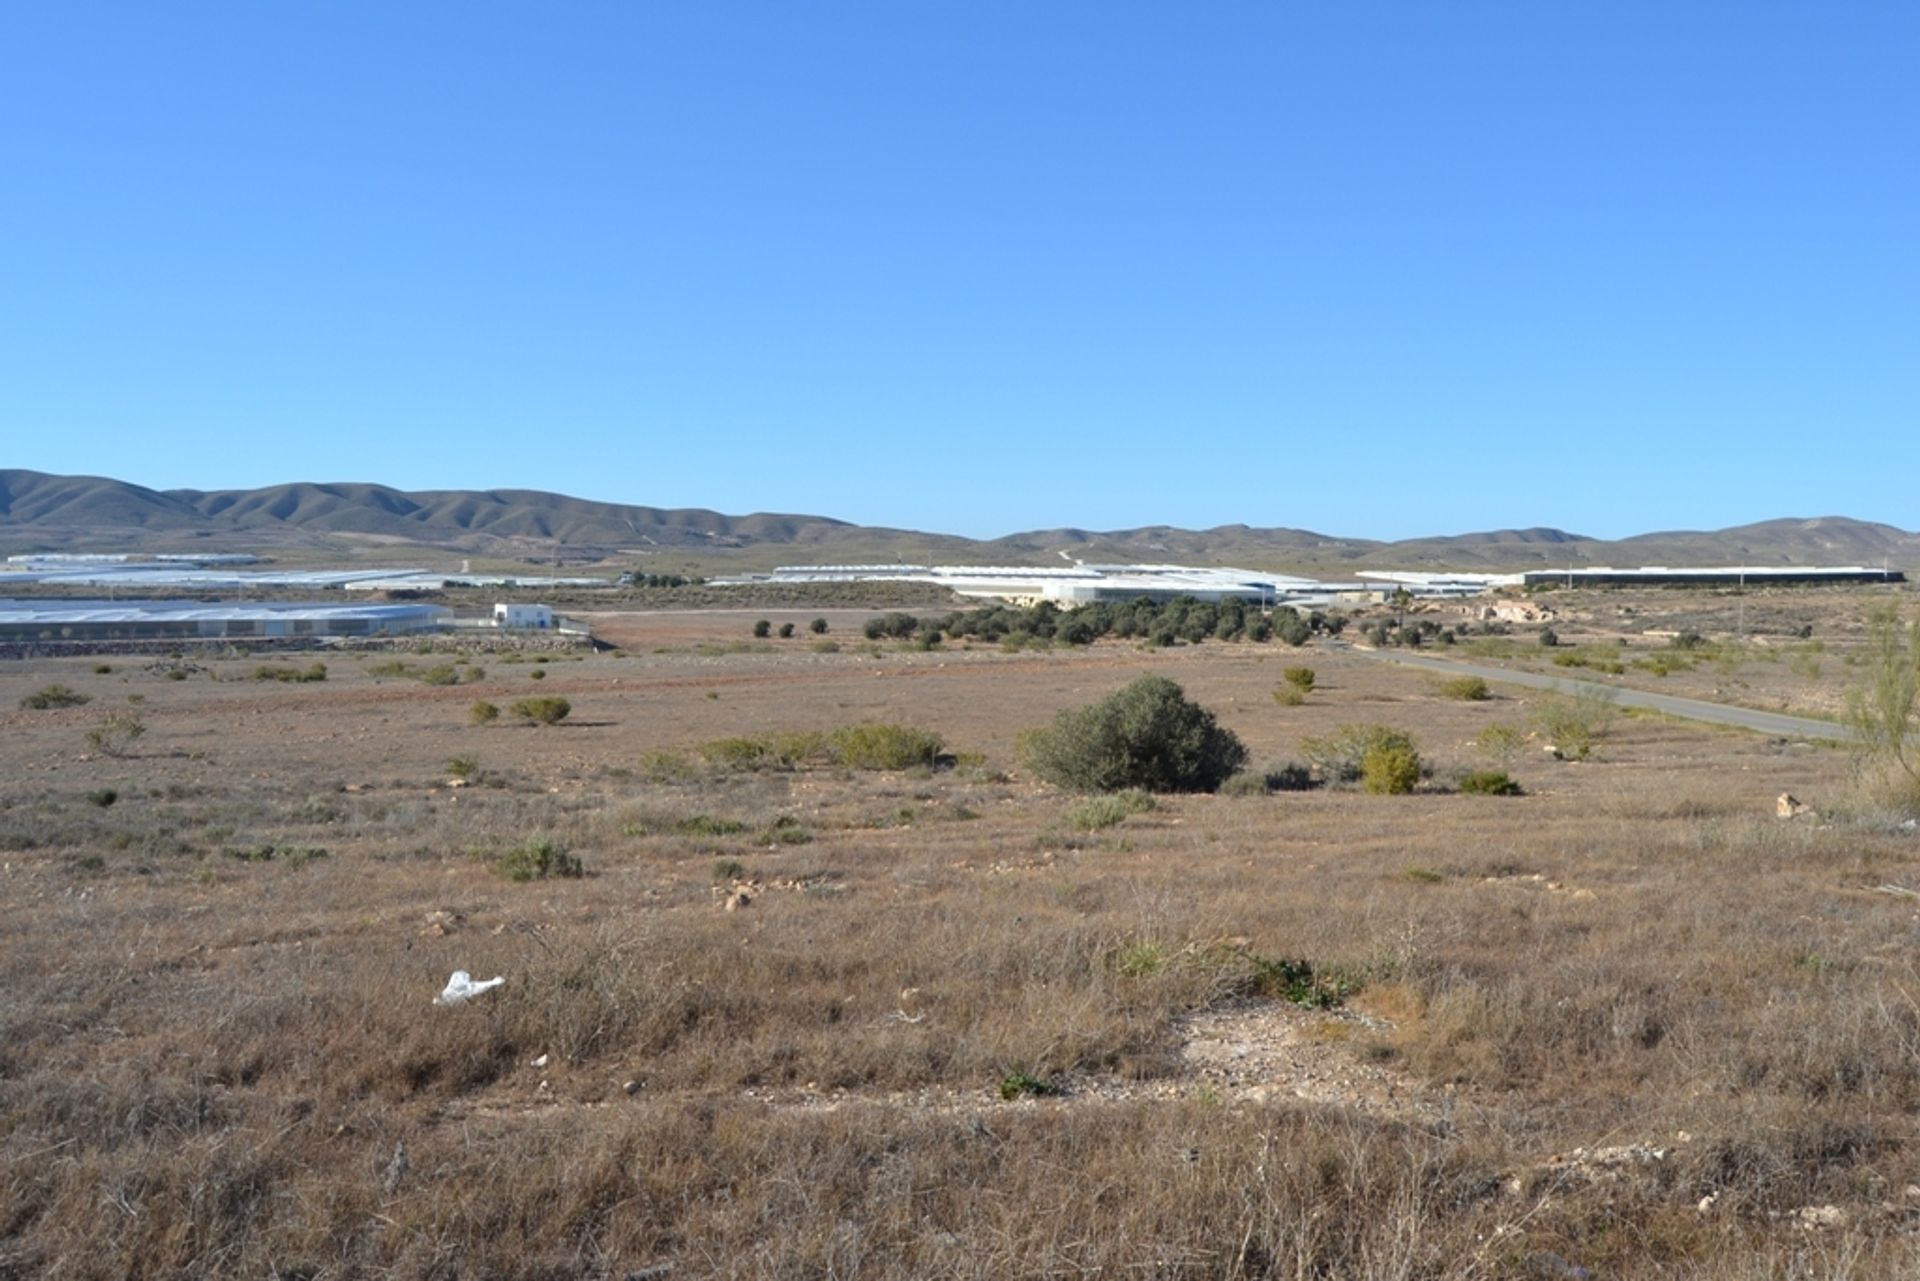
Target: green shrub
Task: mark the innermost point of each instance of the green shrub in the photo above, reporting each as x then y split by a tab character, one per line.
1022	1083
535	860
884	747
1340	757
542	711
1294	980
464	767
483	713
1301	678
103	797
1488	782
292	855
54	696
786	631
1549	638
1289	695
1390	769
1147	735
708	825
818	627
1468	689
762	629
1097	812
537	674
103	669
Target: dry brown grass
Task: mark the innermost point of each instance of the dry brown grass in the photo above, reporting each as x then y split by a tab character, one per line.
206	1063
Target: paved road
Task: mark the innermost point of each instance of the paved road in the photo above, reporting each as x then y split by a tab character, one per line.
1692	709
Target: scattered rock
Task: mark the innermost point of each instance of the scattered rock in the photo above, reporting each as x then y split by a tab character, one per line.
1790	806
542	1061
632	1087
737	900
456	782
1815	1218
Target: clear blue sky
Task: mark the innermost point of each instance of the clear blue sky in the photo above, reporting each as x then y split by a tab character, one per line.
1375	269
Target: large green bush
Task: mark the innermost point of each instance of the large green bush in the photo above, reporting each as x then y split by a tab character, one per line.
1146	735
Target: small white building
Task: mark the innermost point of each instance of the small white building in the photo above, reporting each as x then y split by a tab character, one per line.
524	617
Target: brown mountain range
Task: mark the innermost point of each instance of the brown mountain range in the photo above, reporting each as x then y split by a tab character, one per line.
40	512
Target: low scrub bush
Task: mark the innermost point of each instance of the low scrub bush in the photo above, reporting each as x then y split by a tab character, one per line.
542	711
1488	782
871	746
483	713
1500	743
117	733
1468	689
287	674
1301	678
884	747
535	860
1147	735
1097	812
291	855
1277	778
1292	979
54	696
1289	695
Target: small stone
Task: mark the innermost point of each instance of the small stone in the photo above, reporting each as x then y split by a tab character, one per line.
542	1061
737	900
632	1087
1817	1217
1786	805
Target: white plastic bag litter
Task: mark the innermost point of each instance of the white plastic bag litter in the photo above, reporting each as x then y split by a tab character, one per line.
461	987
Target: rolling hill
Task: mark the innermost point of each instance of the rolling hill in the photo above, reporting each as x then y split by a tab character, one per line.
45	513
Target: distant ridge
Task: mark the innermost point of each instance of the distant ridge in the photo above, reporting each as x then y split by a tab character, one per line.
41	512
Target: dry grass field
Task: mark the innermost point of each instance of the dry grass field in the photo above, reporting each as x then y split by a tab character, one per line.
954	1024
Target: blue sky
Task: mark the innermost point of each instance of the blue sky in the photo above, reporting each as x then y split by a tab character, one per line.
1380	270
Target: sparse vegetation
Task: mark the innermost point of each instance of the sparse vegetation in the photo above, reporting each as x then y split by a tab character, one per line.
1532	1037
1148	735
482	713
1300	678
